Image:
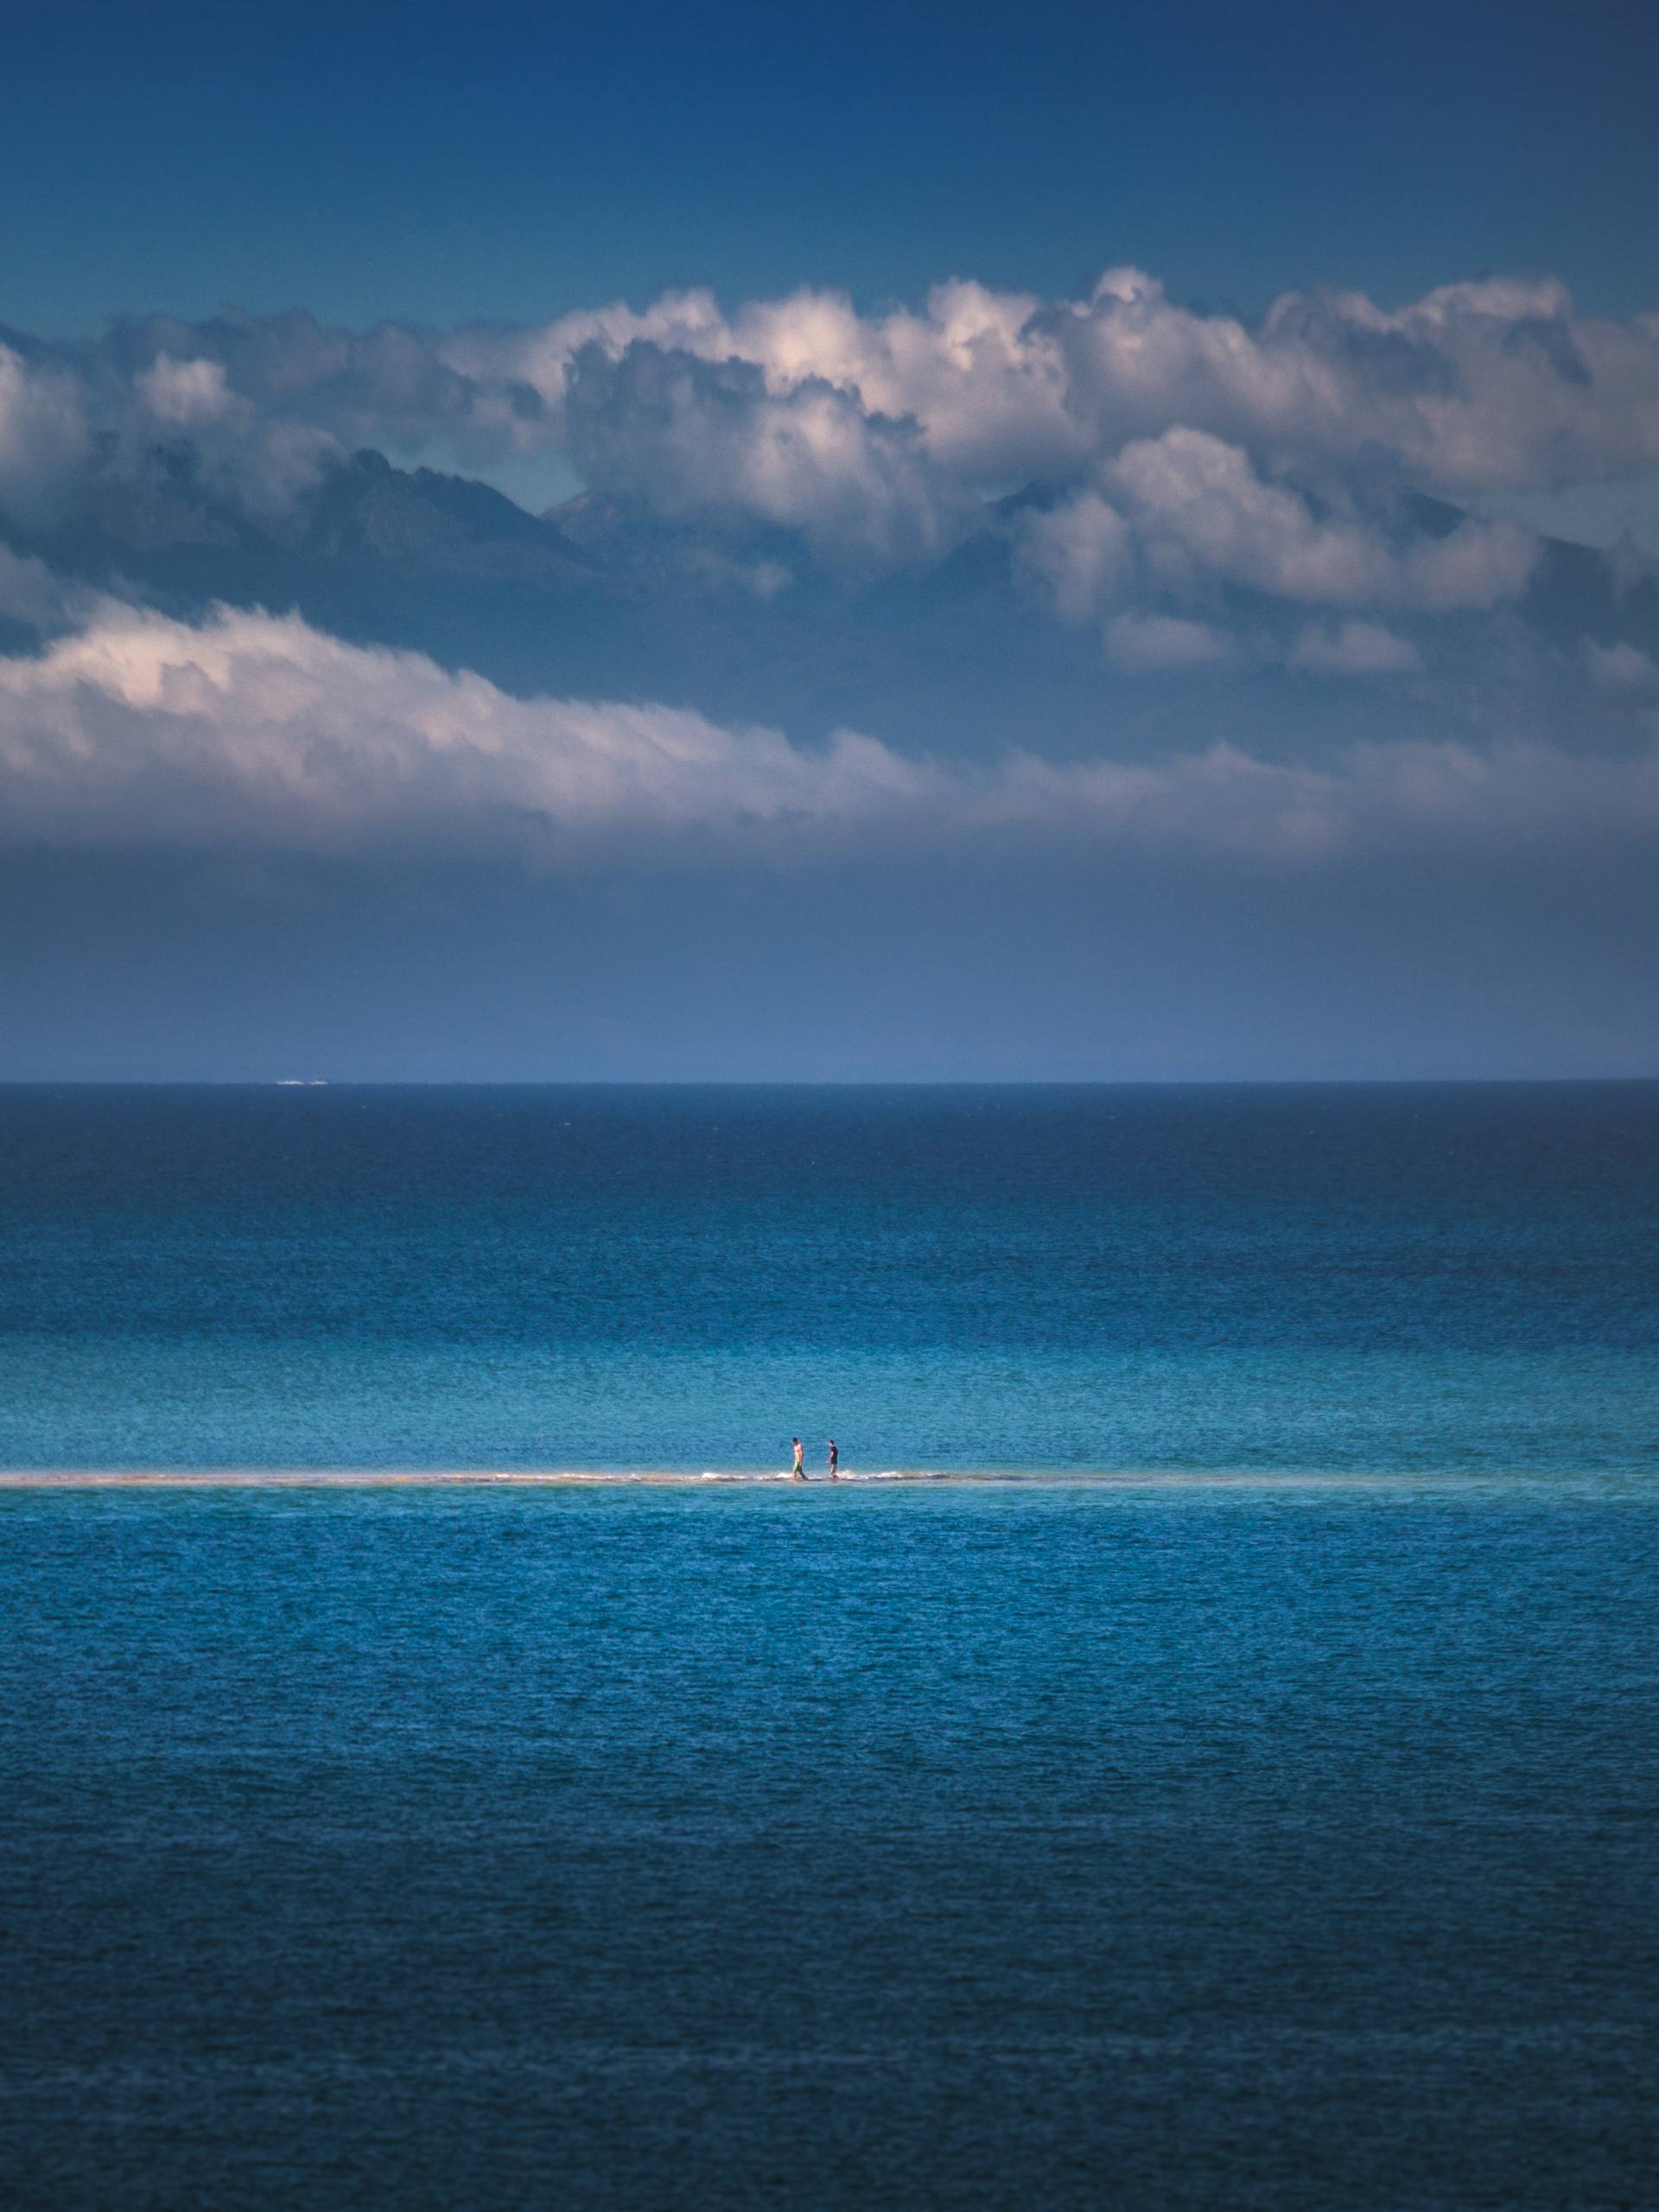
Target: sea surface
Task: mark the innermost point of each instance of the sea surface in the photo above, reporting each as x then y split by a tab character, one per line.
1387	1279
1211	1768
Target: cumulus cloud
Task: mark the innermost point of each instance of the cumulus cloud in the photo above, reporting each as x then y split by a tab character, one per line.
33	597
1083	552
1474	386
1144	644
389	385
185	393
248	729
1355	648
880	436
64	425
1174	518
44	439
696	438
1621	668
1203	508
987	394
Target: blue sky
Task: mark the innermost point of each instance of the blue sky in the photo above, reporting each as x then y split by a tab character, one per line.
1082	542
442	163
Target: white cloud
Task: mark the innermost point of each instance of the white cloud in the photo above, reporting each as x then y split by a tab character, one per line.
63	425
697	438
1144	644
1176	515
1479	564
184	394
1202	509
32	595
1175	453
1082	552
805	412
252	729
1355	648
138	727
1621	668
1475	385
44	439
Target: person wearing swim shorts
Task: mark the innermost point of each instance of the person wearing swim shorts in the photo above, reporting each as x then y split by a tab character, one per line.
834	1460
798	1471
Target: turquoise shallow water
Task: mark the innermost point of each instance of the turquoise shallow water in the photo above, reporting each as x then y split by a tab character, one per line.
1409	1278
1232	1845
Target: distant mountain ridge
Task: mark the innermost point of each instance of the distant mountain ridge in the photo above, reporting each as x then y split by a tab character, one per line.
597	597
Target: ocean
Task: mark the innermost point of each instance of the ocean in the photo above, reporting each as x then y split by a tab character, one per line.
1390	1279
1205	1760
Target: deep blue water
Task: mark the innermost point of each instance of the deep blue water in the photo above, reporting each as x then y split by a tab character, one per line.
1262	1848
1391	1278
1198	1842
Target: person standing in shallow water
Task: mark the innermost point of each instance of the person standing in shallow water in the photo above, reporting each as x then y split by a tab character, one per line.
798	1471
834	1460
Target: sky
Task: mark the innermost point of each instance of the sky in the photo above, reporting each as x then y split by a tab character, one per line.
441	164
1078	543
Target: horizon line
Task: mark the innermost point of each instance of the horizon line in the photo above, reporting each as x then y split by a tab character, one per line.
819	1083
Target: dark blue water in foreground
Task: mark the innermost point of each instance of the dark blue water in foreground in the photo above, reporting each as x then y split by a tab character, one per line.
1401	1278
1274	1848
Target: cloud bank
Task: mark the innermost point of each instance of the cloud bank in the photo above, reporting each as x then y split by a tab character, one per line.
880	437
1197	499
249	730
